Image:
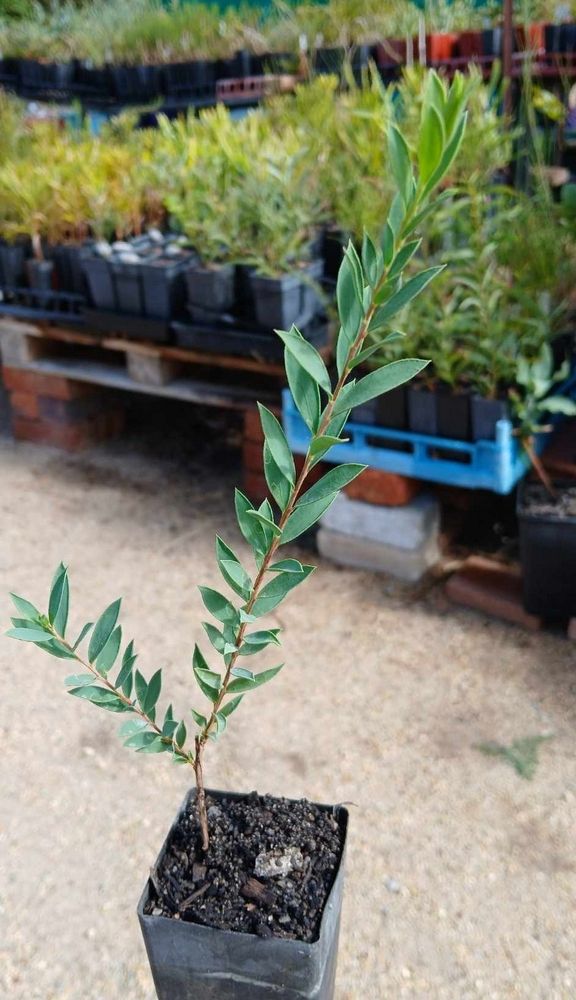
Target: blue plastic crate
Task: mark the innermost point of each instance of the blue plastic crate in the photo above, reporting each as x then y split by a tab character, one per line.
482	465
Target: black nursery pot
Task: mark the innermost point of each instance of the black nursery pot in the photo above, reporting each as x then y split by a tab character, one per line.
196	78
38	79
68	263
392	410
12	256
195	961
453	414
422	410
332	251
290	299
136	84
163	288
547	554
128	281
210	291
243	291
100	281
485	414
492	42
40	275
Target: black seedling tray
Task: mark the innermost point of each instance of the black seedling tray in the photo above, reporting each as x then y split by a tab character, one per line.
41	305
219	339
129	327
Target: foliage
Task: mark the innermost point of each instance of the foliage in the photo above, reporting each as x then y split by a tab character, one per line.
371	291
522	754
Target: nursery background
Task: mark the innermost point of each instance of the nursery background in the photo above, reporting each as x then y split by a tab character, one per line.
177	182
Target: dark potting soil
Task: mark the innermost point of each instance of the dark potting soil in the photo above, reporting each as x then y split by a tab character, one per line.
537	500
230	888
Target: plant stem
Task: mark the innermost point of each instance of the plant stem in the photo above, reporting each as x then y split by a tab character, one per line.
538	466
200	794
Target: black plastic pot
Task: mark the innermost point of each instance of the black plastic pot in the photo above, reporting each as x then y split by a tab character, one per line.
567	38
100	282
135	84
68	259
92	83
128	282
241	64
44	80
163	288
243	292
552	37
193	79
392	410
12	256
40	277
9	73
193	962
485	414
210	290
422	410
548	557
332	251
287	300
492	42
453	414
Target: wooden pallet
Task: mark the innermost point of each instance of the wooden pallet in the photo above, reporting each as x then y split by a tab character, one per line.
160	370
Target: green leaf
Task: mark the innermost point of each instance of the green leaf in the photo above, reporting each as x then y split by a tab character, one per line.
396	216
79	680
125	679
279	486
215	636
100	697
200	720
334	481
218	605
103	629
141	688
286	566
240	685
350	309
132	726
152	693
275	590
230	706
32	634
245	618
320	446
257	641
107	658
221	723
242	672
26	609
266	522
208	681
430	144
59	600
372	260
400	162
57	649
403	257
363	356
377	382
155	745
403	297
277	443
180	735
250	528
305	391
304	517
139	739
307	356
83	633
232	570
170	724
448	157
559	404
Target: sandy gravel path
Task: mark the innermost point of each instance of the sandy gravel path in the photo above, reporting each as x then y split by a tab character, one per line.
461	876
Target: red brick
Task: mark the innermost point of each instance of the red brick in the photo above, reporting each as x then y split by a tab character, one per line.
386	489
70	437
54	386
66	411
491	587
24	404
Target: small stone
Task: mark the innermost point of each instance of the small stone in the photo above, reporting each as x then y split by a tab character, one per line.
156	912
273	864
214	812
198	872
392	885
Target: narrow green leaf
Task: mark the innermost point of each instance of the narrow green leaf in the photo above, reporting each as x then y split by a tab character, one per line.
132	726
305	391
218	605
100	697
139	739
267	522
208	681
57	649
180	735
107	658
32	634
448	157
321	445
230	706
304	517
157	745
79	680
125	678
103	629
221	723
242	672
430	144
250	528
334	481
286	566
277	443
200	720
377	382
215	636
152	693
402	258
275	590
232	570
26	609
400	163
58	594
83	633
363	356
258	641
240	685
403	297
372	260
307	356
279	486
141	688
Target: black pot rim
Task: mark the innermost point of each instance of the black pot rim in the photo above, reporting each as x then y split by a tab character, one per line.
525	514
342	816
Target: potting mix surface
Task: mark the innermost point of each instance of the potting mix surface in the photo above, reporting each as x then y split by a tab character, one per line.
268	871
537	500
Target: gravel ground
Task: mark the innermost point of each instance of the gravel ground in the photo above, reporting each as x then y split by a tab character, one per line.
460	875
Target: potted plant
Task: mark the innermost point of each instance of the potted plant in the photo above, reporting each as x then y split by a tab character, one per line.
546	512
203	951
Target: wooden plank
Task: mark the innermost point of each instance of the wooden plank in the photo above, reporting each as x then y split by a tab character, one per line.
187	389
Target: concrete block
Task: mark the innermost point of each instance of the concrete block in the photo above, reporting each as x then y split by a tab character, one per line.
363	553
410	528
18	348
151	369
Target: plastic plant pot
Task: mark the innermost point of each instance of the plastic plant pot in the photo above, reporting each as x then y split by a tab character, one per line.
469	44
196	79
128	281
548	557
163	287
12	256
422	410
367	413
100	281
485	414
67	259
37	79
238	65
40	276
289	299
453	410
92	82
210	290
552	37
440	47
391	409
194	961
332	251
243	291
312	304
492	42
9	73
136	84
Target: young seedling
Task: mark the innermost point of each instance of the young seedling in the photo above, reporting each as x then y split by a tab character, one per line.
370	293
